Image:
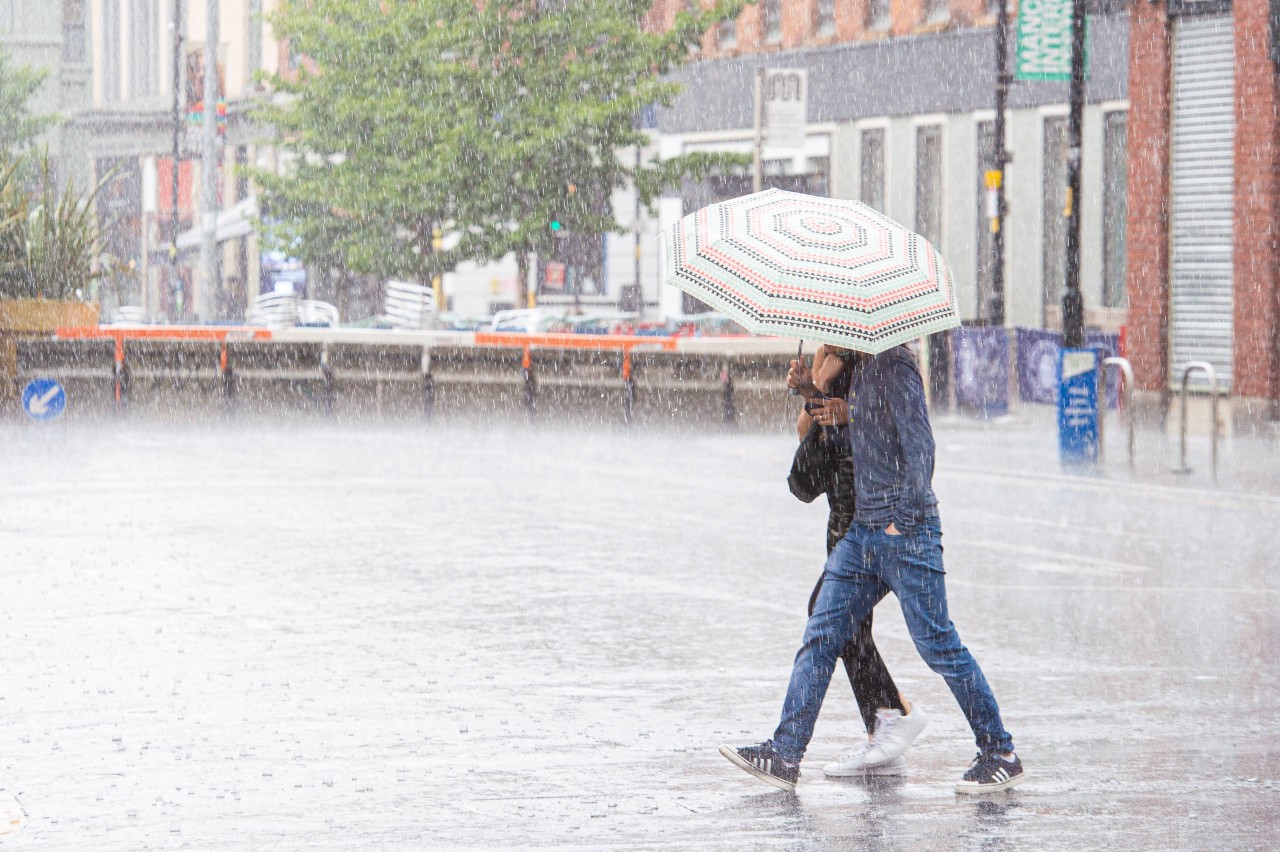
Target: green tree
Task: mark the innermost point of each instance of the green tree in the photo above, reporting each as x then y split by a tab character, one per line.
483	121
18	126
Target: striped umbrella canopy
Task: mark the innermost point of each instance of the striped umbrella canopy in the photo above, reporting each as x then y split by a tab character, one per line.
820	269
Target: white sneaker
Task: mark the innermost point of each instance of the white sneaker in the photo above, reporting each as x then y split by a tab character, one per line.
893	734
854	765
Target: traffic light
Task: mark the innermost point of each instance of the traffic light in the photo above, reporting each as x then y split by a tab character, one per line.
556	225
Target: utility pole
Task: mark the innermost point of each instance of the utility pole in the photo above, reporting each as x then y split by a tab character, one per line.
1072	302
210	284
636	230
757	171
175	284
997	307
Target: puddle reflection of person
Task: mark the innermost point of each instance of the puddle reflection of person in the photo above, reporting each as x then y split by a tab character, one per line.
891	720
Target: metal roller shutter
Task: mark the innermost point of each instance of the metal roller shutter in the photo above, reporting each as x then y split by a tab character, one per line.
1200	265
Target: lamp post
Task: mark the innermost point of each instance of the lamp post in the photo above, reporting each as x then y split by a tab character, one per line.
1072	302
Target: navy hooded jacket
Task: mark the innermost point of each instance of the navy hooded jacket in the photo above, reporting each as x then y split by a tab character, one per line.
892	442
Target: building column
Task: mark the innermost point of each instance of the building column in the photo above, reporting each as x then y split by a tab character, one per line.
1150	75
1256	246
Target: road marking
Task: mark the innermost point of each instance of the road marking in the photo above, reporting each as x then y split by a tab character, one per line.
1051	561
1224	499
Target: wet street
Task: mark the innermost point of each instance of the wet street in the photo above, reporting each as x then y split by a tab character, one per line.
400	637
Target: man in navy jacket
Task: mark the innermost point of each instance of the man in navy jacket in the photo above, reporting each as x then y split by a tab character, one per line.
894	545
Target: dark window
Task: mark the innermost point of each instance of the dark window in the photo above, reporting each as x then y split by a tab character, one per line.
727	34
772	21
144	70
873	174
878	15
929	183
824	23
1115	209
985	265
73	31
936	11
111	50
1054	181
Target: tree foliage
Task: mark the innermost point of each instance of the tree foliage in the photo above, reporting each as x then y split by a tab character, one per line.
18	125
479	120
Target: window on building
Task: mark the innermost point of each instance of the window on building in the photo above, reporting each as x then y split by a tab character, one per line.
928	224
936	12
144	59
1054	189
1115	209
727	34
984	267
111	51
929	183
877	15
824	19
73	29
772	21
873	169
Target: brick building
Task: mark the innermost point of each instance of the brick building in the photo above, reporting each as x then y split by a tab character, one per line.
1204	198
901	96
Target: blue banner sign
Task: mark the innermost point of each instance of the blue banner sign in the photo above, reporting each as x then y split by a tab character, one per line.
1078	406
981	359
1038	358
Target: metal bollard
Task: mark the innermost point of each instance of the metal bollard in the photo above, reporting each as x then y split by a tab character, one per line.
120	377
330	385
428	385
1207	368
1126	401
730	409
530	384
228	383
628	390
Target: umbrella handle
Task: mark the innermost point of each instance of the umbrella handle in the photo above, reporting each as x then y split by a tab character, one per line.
800	358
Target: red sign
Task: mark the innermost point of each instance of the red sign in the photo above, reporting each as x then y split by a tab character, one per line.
553	278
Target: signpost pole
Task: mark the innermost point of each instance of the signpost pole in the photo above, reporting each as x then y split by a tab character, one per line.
178	118
1072	302
757	166
207	292
1078	394
1002	159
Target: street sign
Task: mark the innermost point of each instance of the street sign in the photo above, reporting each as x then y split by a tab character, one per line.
43	399
1044	40
1078	407
553	277
786	107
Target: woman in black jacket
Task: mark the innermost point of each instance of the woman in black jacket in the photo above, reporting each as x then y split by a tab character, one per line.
892	721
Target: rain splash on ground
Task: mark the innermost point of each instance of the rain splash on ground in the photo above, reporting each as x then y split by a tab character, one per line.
406	637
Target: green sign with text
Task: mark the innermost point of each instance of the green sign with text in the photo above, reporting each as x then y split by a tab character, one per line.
1044	40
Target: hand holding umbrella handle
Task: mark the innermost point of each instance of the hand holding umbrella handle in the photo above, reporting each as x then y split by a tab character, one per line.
800	380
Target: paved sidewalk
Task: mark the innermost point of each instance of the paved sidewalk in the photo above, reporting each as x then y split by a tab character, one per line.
1027	442
397	637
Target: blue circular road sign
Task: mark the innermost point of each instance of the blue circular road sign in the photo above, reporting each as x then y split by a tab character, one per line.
43	399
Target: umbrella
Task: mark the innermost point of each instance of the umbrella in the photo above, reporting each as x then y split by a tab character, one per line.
823	269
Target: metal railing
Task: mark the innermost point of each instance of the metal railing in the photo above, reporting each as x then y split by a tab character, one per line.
1207	368
1126	401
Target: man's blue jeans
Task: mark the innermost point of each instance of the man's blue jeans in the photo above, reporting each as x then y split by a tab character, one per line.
866	565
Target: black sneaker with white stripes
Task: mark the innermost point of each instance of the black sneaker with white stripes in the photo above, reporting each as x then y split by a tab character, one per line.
764	763
990	772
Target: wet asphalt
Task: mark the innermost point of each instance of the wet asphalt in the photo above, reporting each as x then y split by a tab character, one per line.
404	637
